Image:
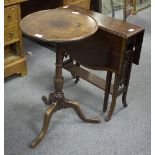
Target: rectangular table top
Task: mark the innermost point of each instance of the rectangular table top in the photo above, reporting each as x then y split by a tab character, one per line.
110	24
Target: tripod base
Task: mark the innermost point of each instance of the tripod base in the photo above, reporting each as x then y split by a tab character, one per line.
56	102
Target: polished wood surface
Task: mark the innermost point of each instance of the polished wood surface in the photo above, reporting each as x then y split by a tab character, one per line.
104	50
131	33
113	48
108	24
14	60
58	25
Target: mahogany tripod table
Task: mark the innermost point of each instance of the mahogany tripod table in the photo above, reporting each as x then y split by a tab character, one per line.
59	26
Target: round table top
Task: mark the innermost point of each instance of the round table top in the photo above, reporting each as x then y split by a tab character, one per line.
58	25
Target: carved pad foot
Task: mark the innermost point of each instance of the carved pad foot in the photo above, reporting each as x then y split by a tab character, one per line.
124	100
107	118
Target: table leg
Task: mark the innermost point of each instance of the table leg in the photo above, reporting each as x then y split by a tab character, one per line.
107	90
77	78
114	96
126	84
57	101
76	106
50	110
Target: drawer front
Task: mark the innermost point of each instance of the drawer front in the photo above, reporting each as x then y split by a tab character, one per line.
84	5
67	2
11	34
7	2
11	2
11	15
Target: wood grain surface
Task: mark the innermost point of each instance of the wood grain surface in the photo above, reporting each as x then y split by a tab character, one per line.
58	25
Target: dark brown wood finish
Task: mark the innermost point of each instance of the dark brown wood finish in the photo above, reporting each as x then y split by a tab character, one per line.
89	52
109	24
36	5
113	48
107	90
133	34
59	25
47	27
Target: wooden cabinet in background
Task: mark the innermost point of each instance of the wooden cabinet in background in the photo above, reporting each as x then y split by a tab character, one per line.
14	60
82	3
37	5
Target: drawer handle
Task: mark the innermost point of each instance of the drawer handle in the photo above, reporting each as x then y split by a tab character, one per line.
11	34
9	17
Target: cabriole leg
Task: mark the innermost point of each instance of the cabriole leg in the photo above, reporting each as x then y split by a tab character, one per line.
50	110
75	105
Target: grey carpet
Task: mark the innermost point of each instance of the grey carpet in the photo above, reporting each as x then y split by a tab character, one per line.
128	132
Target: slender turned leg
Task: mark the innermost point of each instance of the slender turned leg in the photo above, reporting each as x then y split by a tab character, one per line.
51	109
114	96
73	75
124	99
126	84
107	90
58	80
75	105
58	83
77	77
